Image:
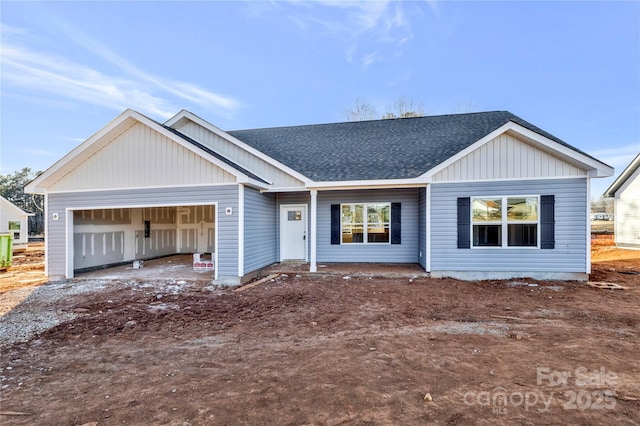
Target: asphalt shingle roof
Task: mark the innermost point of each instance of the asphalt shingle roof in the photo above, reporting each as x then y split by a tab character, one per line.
381	149
214	153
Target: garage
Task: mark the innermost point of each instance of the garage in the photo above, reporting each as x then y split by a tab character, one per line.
108	237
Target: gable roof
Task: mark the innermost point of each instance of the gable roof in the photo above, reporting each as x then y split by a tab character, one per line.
214	154
184	116
403	148
624	176
8	204
117	126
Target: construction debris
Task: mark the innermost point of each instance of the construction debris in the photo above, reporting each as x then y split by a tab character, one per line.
256	283
606	286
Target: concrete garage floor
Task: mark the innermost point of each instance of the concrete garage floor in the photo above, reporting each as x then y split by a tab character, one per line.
178	267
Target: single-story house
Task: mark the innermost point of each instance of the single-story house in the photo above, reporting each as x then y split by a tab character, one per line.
480	195
14	221
625	191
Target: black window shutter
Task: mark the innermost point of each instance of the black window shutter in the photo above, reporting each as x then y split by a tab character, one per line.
547	222
396	225
335	223
464	222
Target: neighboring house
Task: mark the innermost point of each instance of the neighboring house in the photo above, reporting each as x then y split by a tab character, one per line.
626	193
14	221
483	195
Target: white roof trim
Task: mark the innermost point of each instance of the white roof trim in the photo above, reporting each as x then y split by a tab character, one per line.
90	146
14	207
595	168
367	184
187	115
626	174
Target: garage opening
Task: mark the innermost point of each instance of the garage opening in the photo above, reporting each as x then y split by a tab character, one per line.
109	237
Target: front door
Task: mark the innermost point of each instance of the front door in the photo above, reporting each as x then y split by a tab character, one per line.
293	232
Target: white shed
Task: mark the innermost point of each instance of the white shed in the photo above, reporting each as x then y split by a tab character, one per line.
15	221
626	193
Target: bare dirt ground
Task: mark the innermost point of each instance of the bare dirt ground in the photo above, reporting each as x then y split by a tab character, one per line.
328	350
27	269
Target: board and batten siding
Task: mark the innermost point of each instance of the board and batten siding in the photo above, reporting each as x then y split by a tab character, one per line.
259	230
233	152
406	252
627	213
507	157
227	225
141	157
571	213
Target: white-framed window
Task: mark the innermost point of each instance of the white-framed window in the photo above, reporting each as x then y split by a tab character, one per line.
14	226
365	223
505	221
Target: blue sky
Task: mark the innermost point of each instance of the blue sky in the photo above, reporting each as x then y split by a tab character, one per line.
68	68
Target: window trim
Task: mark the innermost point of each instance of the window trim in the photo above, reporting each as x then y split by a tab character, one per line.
504	223
365	223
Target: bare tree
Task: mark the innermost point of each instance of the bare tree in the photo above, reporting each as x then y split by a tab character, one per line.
404	107
464	106
360	110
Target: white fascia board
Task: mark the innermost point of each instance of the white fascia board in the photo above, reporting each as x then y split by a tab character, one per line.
596	168
624	177
191	147
99	139
286	189
15	208
186	115
256	184
515	179
368	184
79	153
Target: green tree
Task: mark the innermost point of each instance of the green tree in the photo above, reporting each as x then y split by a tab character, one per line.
12	188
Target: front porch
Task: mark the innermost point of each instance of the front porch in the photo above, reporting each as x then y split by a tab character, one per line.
392	270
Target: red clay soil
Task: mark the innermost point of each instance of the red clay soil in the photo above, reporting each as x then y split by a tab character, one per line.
327	350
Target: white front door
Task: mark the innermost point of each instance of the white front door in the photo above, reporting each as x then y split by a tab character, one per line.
293	232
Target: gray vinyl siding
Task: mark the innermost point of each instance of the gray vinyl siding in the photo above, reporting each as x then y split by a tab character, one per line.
259	230
292	198
422	224
569	254
227	226
406	252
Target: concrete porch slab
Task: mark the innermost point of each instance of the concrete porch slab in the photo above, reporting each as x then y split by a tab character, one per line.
408	270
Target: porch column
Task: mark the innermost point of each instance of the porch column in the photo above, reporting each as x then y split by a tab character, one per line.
313	267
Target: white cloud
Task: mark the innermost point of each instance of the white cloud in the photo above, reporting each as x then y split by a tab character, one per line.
618	157
364	25
40	152
40	73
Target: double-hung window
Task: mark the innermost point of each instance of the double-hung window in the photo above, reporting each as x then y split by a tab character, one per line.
365	223
508	221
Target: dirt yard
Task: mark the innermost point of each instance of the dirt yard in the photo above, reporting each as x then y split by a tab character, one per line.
330	350
27	269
